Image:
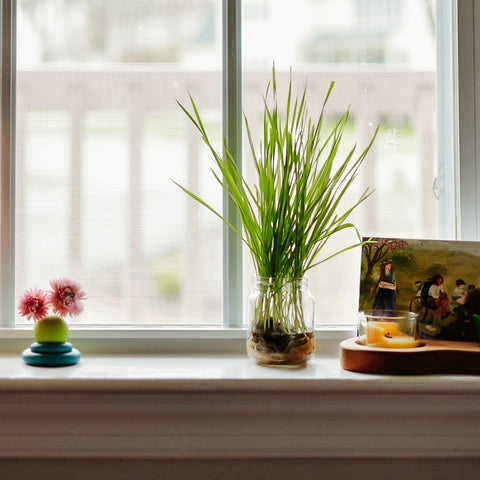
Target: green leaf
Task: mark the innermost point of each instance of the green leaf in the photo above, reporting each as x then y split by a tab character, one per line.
296	204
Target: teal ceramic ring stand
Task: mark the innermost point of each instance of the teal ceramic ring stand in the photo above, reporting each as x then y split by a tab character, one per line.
51	355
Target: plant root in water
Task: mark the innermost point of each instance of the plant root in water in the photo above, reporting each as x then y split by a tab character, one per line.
273	348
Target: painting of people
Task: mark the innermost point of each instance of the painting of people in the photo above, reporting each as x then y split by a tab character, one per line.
440	280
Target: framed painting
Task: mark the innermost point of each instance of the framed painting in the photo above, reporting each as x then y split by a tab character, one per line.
439	280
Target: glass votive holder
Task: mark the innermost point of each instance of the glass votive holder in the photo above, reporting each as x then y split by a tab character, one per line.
388	328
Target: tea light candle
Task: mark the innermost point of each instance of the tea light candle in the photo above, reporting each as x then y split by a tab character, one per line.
388	335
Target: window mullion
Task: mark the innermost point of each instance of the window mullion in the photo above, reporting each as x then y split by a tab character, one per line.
447	120
232	133
7	169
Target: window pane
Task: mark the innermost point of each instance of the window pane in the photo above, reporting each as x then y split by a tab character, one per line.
99	140
382	56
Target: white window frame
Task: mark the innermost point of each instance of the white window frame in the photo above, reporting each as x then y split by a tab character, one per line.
468	88
463	55
7	160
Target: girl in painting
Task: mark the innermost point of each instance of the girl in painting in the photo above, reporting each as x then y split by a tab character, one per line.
386	288
439	295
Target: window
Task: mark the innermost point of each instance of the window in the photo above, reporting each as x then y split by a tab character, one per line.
98	137
99	140
383	57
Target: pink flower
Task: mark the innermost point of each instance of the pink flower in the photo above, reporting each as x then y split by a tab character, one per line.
34	304
66	297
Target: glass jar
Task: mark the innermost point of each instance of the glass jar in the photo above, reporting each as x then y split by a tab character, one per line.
280	322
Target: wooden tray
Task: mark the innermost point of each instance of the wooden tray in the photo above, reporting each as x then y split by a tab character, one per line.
432	356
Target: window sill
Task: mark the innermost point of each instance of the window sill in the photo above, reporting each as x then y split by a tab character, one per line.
164	341
223	406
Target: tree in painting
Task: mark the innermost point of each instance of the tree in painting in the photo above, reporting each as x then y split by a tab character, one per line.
377	249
